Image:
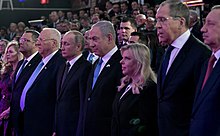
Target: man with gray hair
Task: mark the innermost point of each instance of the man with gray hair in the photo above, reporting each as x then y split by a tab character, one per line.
37	102
102	82
180	69
205	119
195	25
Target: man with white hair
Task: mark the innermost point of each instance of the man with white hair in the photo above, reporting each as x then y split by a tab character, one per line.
38	98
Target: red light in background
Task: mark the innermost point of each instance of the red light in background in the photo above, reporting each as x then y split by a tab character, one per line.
44	1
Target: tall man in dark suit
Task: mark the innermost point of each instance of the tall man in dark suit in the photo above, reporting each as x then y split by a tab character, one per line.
71	84
38	98
180	69
22	73
205	119
102	82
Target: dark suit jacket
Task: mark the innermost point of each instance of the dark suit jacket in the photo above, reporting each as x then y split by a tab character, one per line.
18	87
40	100
133	107
177	94
71	96
98	101
205	119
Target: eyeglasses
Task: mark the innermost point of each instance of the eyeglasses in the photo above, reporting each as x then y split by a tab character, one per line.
164	19
24	40
43	40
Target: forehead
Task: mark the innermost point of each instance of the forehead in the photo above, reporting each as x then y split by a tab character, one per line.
95	31
163	11
134	38
68	37
125	24
26	35
214	16
44	34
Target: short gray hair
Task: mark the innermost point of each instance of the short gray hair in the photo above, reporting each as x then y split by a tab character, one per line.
106	27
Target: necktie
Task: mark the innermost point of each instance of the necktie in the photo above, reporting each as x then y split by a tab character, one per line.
166	62
65	72
91	56
29	83
20	69
96	72
209	69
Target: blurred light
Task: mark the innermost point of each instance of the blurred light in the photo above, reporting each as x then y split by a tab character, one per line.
21	0
44	1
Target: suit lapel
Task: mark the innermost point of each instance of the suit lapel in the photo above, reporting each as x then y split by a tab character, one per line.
71	73
208	86
106	69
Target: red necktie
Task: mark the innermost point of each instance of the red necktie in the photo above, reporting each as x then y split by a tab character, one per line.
209	69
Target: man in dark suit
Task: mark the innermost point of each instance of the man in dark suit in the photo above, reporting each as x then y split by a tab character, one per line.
38	97
180	69
127	26
102	82
71	87
205	119
22	73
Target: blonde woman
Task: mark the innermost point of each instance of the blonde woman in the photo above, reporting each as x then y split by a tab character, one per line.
12	56
135	105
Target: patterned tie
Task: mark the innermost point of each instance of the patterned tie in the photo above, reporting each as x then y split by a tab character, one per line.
91	56
67	67
96	72
20	69
209	69
166	62
29	84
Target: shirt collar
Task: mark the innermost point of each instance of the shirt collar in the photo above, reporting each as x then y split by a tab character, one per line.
47	59
73	61
109	54
30	57
181	40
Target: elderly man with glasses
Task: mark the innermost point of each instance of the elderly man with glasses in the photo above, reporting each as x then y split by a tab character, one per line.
180	69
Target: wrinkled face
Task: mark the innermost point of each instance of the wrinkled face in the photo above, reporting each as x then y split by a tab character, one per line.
139	20
167	26
128	63
12	54
45	43
69	48
26	43
98	42
126	30
133	39
211	31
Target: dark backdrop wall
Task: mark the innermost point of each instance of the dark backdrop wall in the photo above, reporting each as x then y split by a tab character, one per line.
30	9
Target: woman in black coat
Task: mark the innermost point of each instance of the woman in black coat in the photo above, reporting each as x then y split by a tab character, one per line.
135	105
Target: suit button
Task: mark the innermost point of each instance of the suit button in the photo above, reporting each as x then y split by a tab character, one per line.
89	99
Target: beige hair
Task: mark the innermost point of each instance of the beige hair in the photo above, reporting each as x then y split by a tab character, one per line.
141	54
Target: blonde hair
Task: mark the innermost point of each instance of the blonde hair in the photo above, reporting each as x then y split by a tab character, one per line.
144	72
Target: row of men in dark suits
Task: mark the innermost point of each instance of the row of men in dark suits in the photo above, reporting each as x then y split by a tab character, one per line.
71	97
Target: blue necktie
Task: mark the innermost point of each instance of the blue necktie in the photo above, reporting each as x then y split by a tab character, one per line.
96	72
91	58
29	83
166	62
20	69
